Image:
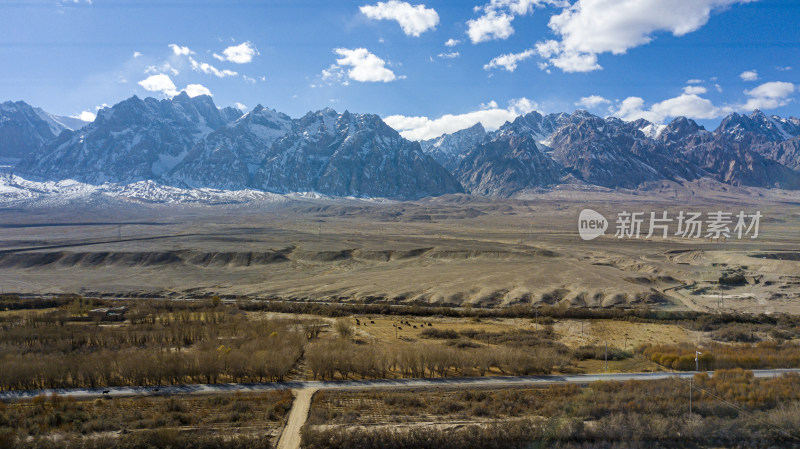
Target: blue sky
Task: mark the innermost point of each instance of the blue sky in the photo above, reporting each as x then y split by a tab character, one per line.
654	59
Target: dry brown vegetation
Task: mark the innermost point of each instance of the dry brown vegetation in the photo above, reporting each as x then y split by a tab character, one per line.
344	359
227	421
208	341
763	355
162	343
731	409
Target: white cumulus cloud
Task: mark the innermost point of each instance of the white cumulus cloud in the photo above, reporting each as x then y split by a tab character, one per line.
362	65
592	101
509	61
164	84
489	115
180	51
497	15
413	19
694	90
194	90
159	83
690	104
209	69
86	116
686	105
452	42
492	25
239	54
588	28
749	75
769	95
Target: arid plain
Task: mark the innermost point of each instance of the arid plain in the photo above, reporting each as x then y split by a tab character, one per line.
454	250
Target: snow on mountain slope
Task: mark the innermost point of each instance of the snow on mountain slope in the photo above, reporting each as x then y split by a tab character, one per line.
132	141
229	157
449	149
24	129
351	155
16	191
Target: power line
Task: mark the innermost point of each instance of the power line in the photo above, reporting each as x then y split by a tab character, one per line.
737	407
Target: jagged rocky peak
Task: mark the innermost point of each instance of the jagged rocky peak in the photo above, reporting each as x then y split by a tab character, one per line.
229	157
351	155
133	140
451	143
679	129
449	149
758	125
535	124
268	119
507	165
23	130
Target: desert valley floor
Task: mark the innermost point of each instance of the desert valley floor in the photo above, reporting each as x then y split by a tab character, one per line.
453	250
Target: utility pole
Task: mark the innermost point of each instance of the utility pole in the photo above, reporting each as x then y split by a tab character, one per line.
606	356
537	319
690	397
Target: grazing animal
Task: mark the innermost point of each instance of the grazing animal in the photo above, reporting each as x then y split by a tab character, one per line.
106	391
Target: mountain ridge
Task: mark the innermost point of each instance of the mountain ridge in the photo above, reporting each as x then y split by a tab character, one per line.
190	143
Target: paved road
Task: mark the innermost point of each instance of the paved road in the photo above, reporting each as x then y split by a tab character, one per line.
500	381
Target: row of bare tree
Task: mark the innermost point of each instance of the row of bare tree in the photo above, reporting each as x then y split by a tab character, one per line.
345	359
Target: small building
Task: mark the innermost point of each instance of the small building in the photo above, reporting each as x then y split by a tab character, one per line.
108	314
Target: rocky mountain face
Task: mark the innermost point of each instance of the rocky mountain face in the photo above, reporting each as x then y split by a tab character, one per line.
229	157
189	143
771	129
734	163
507	165
24	129
772	137
753	150
786	153
539	127
613	153
450	149
351	155
743	150
132	141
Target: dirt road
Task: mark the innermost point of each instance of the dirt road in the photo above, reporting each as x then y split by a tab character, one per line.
290	437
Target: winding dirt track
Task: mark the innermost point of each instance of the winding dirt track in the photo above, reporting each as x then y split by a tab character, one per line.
290	437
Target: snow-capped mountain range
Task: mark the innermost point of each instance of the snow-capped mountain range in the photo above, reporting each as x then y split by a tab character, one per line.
24	129
187	149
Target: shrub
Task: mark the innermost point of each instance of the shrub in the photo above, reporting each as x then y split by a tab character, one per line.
440	334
